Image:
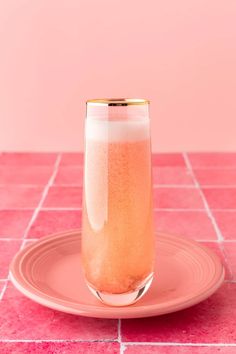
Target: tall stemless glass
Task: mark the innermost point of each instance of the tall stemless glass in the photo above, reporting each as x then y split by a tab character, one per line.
117	225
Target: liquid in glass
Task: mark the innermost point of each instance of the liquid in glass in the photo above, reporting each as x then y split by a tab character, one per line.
117	226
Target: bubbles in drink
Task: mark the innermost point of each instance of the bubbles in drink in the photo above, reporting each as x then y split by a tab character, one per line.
118	237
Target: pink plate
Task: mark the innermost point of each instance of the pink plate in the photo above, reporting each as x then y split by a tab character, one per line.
49	272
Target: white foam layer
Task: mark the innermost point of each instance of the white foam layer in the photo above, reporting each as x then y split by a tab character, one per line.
114	131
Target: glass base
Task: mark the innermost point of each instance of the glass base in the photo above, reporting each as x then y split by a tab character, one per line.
124	299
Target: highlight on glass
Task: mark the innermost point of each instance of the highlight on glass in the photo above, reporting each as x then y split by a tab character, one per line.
117	223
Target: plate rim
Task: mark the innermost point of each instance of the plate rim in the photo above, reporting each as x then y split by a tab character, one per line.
108	311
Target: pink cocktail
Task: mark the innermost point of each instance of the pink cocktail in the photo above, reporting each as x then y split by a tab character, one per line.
117	230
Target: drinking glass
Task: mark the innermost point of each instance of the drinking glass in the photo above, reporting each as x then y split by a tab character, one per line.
117	220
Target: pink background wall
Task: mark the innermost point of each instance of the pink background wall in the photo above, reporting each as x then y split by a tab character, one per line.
57	53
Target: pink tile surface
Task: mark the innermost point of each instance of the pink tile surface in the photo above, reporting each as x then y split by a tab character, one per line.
69	175
168	159
163	349
186	198
213	159
212	321
60	348
14	197
216	176
64	197
37	175
192	224
172	175
8	249
226	220
72	159
14	222
48	222
230	253
221	198
27	158
21	318
218	249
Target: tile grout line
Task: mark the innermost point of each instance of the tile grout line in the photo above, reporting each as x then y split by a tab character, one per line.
193	186
209	213
119	338
61	208
37	185
193	209
173	344
58	341
36	211
44	195
43	208
207	168
3	290
180	209
208	210
177	186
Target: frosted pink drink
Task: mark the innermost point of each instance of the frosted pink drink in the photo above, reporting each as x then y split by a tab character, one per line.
117	233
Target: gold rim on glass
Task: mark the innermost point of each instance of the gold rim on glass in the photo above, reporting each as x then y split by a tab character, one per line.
117	101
